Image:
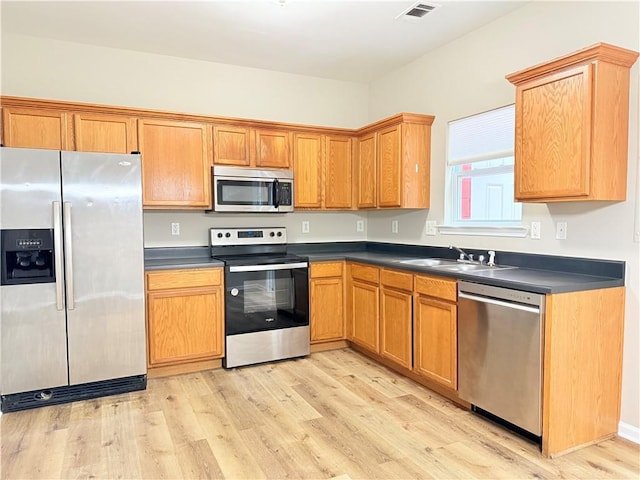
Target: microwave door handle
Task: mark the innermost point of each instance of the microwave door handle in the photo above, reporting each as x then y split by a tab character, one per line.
276	193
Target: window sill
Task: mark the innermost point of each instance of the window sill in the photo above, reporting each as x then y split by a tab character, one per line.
516	231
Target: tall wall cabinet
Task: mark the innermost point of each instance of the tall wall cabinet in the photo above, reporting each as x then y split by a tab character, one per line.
572	117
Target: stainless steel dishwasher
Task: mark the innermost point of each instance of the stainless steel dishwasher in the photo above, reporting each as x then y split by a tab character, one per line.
500	338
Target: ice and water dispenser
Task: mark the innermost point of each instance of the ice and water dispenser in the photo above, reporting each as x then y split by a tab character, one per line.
27	256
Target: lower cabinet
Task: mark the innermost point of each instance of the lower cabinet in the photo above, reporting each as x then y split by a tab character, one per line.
435	330
396	317
364	306
326	291
185	315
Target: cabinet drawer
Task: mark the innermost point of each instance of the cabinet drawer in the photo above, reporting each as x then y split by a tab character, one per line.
196	277
365	273
397	280
329	269
436	287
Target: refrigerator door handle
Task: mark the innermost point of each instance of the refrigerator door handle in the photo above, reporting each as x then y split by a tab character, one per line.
57	248
68	256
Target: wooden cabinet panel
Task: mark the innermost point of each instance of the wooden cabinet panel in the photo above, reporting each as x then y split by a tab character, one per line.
307	170
572	125
185	315
175	164
554	118
443	288
364	306
366	273
389	167
183	278
327	309
185	325
396	326
35	128
337	173
326	269
367	183
397	280
95	132
273	149
435	340
231	145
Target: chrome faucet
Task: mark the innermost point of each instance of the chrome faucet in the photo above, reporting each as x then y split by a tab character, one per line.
463	254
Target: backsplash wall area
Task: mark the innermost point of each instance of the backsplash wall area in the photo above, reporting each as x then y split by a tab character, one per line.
194	226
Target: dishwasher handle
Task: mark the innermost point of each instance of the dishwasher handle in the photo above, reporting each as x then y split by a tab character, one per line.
500	303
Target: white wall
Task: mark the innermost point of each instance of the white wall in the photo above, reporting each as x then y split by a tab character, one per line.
466	77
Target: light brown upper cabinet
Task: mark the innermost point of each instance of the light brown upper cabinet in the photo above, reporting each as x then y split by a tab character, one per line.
401	149
95	132
176	164
572	117
251	147
322	168
231	145
35	128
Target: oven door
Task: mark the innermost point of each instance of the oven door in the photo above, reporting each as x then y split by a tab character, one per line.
266	297
237	194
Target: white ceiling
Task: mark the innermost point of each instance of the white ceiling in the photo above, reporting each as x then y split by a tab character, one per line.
343	40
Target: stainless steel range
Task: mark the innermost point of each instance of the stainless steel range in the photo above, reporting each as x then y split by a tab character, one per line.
266	295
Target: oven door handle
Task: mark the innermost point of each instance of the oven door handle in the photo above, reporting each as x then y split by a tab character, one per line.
262	268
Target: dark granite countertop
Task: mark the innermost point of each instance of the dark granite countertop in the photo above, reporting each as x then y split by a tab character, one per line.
534	273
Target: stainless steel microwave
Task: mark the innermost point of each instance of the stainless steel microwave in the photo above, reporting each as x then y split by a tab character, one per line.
237	189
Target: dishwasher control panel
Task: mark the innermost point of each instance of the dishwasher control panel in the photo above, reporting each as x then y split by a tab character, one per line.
500	293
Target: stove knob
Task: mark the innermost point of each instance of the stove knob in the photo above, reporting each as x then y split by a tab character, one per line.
271	234
219	235
279	234
227	235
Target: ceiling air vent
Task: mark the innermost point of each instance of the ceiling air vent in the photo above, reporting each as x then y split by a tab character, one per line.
416	11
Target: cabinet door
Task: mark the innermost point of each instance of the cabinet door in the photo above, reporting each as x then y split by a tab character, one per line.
396	326
389	167
185	325
231	145
272	149
105	133
175	164
435	340
327	309
553	134
364	305
33	128
337	173
367	171
307	170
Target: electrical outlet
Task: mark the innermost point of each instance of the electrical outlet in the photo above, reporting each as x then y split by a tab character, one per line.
360	226
561	231
305	226
535	230
430	227
394	226
175	228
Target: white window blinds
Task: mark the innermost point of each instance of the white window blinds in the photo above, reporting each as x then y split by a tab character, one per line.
484	136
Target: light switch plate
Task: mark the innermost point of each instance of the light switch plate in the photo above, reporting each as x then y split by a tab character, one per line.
305	226
561	231
394	226
360	226
430	227
175	228
535	230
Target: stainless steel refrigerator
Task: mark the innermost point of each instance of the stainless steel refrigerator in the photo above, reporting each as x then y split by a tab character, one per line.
72	322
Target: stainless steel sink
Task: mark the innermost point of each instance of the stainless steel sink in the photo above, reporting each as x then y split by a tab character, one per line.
469	267
428	262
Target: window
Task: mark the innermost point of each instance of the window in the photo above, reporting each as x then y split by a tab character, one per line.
480	171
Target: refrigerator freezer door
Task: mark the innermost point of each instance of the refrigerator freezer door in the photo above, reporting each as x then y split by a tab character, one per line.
33	342
102	194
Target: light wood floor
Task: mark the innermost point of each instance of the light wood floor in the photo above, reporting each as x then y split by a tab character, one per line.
334	414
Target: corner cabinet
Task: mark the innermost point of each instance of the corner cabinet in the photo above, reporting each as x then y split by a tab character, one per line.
185	315
326	293
394	161
572	121
176	164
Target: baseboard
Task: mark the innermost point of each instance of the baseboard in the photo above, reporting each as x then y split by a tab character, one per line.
629	432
